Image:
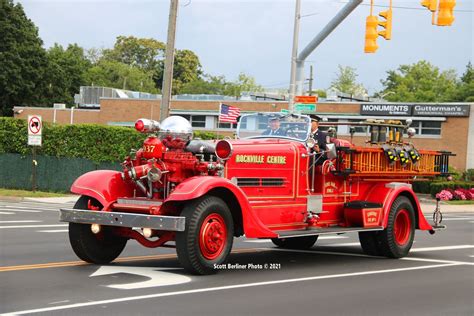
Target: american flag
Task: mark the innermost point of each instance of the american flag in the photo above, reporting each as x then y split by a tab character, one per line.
228	114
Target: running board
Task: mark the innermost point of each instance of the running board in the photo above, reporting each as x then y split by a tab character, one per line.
324	231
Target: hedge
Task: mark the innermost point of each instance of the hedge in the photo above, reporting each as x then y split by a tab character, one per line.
97	143
437	186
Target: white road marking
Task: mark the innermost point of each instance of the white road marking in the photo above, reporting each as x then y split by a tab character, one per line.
226	287
19	211
156	277
458	219
342	244
331	237
53	231
257	241
442	248
368	256
14	222
6	213
59	302
33	226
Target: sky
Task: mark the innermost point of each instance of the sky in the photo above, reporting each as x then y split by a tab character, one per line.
255	37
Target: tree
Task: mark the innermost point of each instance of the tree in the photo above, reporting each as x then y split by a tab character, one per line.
148	55
465	90
66	72
22	59
346	81
419	82
207	85
244	83
115	74
144	53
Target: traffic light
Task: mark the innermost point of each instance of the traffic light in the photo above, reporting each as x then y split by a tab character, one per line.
371	34
445	12
387	24
430	4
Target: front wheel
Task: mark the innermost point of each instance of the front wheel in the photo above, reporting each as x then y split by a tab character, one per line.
208	235
100	248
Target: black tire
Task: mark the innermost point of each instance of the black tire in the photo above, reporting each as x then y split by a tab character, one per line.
101	248
207	239
397	239
305	242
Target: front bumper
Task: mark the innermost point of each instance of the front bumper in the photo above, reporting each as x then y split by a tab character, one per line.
158	222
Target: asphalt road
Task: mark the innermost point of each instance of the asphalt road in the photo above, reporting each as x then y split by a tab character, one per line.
39	274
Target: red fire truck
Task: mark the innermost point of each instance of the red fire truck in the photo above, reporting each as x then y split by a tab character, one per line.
201	194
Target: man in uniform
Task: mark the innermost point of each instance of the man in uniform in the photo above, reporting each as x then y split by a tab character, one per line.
274	127
318	135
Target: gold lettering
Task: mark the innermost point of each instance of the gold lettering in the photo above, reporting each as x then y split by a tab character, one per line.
279	160
249	158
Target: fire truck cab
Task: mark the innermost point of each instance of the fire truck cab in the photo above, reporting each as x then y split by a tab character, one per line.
263	184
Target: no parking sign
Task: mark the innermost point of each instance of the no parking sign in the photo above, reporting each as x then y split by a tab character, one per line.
35	126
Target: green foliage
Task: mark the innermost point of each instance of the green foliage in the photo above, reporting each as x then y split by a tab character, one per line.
465	88
468	175
346	81
94	142
116	74
435	187
420	82
219	85
23	61
65	74
321	93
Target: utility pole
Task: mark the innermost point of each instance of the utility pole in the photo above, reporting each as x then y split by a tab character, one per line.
310	92
169	60
294	55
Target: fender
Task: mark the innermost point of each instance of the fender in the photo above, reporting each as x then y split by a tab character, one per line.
196	187
103	185
386	193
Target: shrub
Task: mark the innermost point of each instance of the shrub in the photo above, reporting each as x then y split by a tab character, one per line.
437	187
98	143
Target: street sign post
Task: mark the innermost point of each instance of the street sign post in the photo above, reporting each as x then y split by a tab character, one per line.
305	107
35	127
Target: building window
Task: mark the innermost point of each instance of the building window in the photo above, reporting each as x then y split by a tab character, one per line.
427	127
196	120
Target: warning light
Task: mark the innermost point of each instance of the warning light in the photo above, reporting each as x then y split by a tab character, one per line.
387	24
371	34
445	12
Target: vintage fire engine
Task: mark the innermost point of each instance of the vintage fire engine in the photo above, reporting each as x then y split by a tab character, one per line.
201	194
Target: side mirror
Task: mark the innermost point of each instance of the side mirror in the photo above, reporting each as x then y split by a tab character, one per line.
331	151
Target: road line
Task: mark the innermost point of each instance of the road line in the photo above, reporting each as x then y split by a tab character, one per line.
258	241
442	248
53	231
332	237
322	252
14	222
342	244
436	260
123	259
18	211
458	219
33	226
226	287
6	213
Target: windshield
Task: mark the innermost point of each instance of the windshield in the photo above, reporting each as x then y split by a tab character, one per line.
278	125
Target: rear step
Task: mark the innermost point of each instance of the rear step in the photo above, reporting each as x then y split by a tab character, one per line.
324	231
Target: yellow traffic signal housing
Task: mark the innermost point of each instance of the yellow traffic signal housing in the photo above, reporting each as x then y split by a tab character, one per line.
445	12
387	24
371	34
430	4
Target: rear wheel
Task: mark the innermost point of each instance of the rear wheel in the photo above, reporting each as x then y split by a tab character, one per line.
100	248
305	242
207	239
397	239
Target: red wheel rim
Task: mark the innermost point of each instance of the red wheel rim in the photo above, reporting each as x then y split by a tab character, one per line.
402	227
212	236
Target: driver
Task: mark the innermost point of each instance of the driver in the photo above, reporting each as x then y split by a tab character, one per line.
274	127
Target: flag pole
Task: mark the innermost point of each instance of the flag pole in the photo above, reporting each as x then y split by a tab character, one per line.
218	120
